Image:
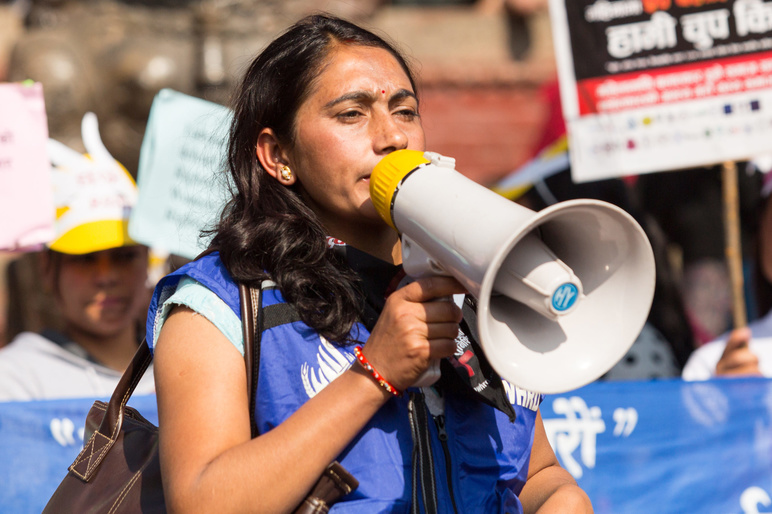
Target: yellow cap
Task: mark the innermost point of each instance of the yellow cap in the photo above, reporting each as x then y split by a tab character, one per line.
94	236
388	174
93	206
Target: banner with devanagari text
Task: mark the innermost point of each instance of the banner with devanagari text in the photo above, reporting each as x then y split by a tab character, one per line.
664	446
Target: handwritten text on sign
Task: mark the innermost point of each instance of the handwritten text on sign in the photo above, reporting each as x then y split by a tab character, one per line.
182	186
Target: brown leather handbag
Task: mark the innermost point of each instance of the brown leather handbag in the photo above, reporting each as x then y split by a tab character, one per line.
119	471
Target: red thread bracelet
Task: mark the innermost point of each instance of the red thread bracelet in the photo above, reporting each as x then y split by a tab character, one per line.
362	360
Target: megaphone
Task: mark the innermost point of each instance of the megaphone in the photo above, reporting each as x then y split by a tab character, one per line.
562	293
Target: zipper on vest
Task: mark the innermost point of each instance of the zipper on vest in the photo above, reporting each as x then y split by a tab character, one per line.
423	463
443	434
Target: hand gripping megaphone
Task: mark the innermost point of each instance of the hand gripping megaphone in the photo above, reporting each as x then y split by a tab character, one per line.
562	293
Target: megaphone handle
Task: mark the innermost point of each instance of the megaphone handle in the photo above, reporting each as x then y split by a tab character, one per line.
430	376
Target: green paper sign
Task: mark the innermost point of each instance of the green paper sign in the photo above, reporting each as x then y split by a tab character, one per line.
181	179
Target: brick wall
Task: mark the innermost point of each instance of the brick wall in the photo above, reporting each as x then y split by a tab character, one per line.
489	130
481	100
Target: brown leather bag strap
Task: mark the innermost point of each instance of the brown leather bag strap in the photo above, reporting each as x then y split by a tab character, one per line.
249	303
96	448
113	419
335	481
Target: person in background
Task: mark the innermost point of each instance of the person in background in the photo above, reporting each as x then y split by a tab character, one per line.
97	276
744	351
687	204
667	339
316	111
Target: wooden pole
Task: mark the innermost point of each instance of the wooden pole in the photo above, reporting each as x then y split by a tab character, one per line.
733	248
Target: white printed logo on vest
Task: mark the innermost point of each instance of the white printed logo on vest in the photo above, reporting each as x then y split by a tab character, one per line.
331	362
521	397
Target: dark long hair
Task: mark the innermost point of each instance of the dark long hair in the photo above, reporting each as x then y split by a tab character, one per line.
266	230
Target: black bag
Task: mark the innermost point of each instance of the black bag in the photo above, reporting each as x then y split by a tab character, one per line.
119	470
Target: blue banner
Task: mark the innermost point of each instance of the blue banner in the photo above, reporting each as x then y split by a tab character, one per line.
38	442
663	446
667	446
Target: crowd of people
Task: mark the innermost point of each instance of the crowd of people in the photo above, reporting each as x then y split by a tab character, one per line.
314	113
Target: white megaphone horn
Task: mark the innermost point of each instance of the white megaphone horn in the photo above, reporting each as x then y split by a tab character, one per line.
562	293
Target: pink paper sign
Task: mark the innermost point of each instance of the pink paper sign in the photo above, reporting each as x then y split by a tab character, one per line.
26	196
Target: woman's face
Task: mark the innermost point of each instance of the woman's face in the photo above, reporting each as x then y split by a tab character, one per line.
101	293
359	109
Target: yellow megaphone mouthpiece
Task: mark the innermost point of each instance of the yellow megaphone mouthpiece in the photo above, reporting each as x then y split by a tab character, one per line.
387	176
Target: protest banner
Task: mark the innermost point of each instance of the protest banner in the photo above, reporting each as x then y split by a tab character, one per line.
181	187
667	446
26	193
38	442
655	85
664	446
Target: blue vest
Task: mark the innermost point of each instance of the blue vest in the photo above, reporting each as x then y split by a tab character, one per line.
478	458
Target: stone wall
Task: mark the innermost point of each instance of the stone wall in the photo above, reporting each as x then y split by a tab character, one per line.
481	71
481	67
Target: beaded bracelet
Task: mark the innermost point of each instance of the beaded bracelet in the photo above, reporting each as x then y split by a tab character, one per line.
362	360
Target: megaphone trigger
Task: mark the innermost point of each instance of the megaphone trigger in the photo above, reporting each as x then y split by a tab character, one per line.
417	262
430	376
561	294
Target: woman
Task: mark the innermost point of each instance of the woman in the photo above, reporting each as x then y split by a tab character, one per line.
99	296
317	110
97	277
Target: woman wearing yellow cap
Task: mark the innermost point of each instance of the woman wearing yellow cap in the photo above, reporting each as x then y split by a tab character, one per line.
97	276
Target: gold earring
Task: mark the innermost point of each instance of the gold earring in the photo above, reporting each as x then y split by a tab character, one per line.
286	173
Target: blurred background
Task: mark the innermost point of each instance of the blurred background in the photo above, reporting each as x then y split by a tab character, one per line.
482	65
488	87
487	80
